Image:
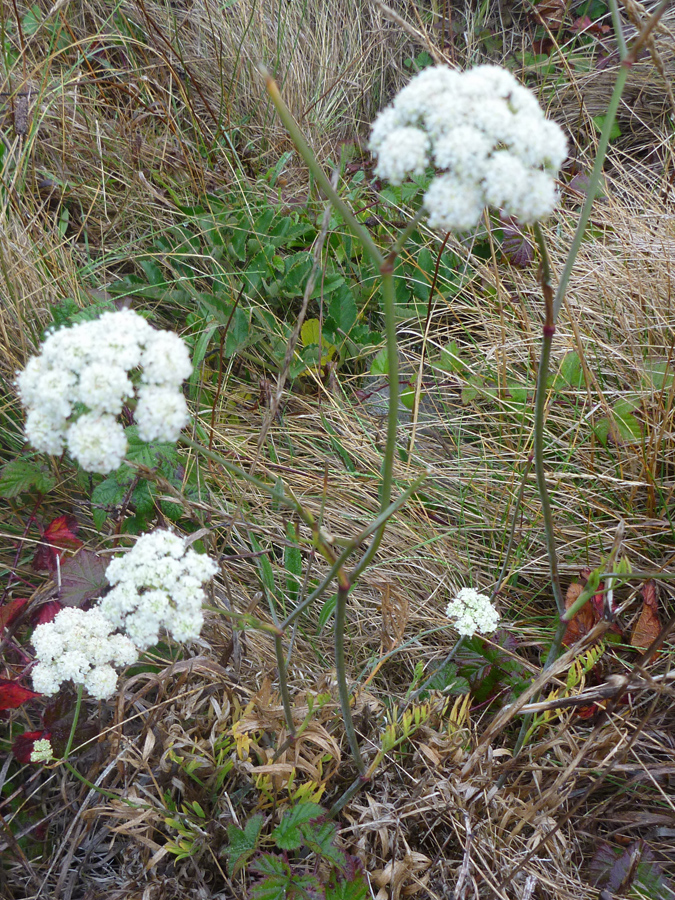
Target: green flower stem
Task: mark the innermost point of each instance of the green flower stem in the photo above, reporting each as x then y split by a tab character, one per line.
341	802
99	790
238	472
353	545
320	176
343	690
540	420
392	413
283	683
76	719
618	30
400	241
592	189
553	309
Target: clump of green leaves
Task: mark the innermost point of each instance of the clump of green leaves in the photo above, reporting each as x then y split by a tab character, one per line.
241	265
489	670
305	862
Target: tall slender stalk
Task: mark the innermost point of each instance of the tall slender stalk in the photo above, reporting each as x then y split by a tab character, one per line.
341	672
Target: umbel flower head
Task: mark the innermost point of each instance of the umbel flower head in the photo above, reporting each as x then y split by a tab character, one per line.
472	613
157	584
75	388
79	646
486	135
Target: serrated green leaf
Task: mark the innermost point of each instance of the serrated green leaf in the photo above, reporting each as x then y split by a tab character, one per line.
342	311
242	843
356	888
287	834
143	500
108	493
22	475
471	390
320	839
327	285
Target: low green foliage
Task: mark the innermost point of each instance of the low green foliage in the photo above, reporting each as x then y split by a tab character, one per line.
310	863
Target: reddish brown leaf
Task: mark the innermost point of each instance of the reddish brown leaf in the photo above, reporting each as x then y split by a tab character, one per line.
82	578
47	612
648	626
584	620
10	611
551	12
12	694
517	248
57	537
23	745
587	712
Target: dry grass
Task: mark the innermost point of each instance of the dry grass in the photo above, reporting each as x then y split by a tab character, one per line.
433	821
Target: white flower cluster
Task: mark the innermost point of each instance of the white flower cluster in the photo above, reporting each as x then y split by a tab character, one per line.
79	646
42	751
157	584
488	135
76	387
472	612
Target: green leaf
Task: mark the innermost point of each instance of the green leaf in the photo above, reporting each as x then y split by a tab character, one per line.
615	130
292	564
239	333
449	360
356	888
327	611
380	365
659	374
277	880
625	429
472	389
287	835
320	839
22	475
242	843
571	371
328	285
108	493
342	312
407	396
310	333
519	394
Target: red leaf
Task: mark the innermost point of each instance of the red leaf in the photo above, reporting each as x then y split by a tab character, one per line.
23	745
82	578
598	601
648	626
57	537
12	694
584	620
47	612
9	612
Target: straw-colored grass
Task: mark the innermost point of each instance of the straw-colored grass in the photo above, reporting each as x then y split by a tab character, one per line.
164	105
